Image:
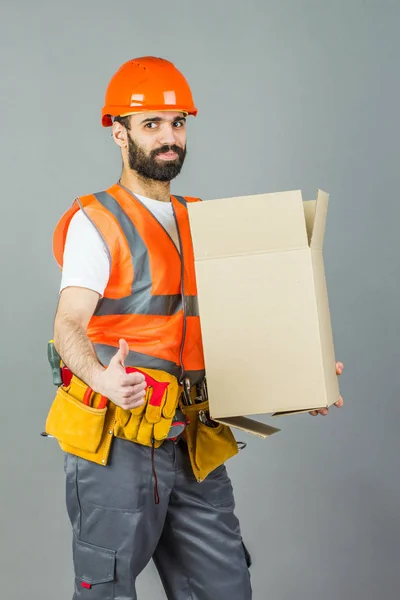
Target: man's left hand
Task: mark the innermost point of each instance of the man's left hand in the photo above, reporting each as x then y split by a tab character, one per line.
339	403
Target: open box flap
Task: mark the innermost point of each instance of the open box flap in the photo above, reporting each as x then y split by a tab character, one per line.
285	413
321	210
247	225
249	426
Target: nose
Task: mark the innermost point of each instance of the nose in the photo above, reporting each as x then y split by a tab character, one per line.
167	134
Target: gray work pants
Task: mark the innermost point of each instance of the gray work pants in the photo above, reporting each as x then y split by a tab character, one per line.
192	534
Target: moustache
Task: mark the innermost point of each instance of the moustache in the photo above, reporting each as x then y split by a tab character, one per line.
179	151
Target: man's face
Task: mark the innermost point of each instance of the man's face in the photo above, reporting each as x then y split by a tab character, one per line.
157	144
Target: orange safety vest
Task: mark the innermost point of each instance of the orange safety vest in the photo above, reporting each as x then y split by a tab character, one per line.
151	296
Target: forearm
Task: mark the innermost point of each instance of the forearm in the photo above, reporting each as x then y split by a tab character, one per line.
76	350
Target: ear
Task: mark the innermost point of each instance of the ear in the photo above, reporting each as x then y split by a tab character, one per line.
119	135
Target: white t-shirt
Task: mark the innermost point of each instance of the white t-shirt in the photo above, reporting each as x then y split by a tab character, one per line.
86	262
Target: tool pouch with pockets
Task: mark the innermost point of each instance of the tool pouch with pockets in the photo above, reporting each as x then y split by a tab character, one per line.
209	447
150	423
72	422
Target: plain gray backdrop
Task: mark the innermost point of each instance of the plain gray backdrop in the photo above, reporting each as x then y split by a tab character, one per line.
291	95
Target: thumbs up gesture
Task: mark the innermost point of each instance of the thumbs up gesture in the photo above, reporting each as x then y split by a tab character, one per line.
126	390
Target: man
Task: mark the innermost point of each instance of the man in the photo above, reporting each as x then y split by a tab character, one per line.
141	481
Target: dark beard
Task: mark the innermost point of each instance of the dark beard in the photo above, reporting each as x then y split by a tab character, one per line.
146	165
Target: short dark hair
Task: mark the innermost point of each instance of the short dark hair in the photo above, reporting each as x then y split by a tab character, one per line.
125	121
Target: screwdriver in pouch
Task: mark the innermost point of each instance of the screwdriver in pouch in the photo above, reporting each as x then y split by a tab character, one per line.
55	363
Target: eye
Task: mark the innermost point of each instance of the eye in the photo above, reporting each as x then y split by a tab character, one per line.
151	125
178	124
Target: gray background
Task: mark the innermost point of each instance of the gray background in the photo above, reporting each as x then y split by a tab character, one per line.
299	94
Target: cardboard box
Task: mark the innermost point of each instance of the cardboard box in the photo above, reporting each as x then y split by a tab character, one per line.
263	304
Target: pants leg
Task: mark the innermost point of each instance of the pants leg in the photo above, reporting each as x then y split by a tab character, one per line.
200	555
116	523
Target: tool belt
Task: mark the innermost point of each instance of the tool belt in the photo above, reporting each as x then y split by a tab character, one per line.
84	422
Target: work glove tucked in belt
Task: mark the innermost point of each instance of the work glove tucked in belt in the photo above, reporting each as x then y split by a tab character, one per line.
150	423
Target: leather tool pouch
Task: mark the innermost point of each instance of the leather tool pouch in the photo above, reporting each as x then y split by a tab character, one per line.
209	447
72	422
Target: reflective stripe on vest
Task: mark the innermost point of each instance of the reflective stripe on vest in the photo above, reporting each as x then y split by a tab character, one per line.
105	354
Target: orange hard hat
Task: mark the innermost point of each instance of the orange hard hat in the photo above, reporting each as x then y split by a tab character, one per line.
146	84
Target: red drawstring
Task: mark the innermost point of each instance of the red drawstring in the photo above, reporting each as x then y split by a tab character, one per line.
156	494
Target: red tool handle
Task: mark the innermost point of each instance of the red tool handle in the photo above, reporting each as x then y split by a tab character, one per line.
87	398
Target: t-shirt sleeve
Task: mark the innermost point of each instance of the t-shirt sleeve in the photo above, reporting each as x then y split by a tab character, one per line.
86	261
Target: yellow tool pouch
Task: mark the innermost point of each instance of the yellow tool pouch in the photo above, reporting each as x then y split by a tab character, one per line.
72	422
209	447
150	423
